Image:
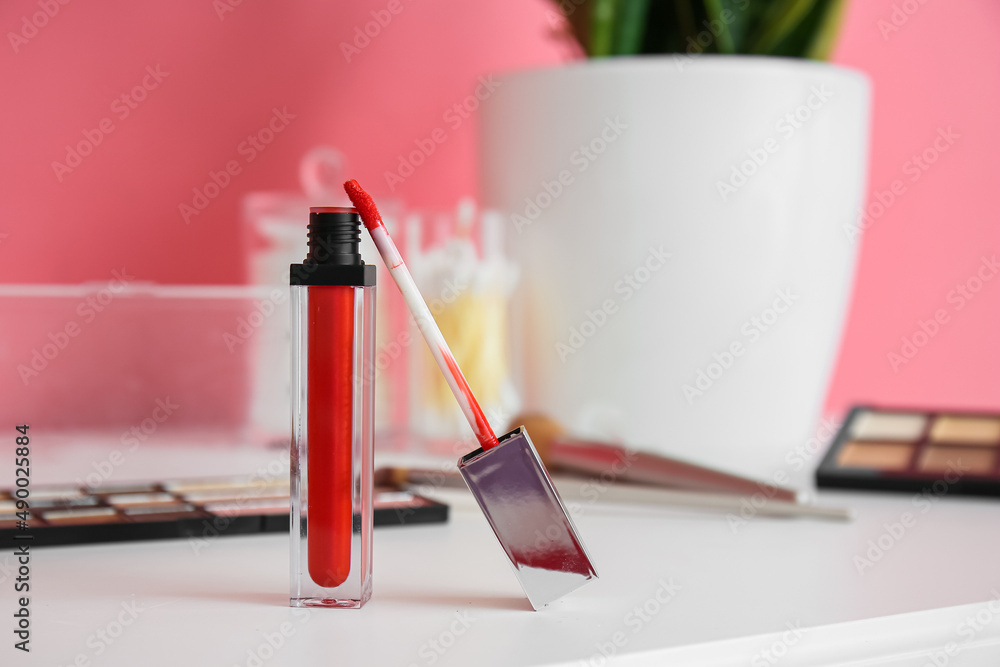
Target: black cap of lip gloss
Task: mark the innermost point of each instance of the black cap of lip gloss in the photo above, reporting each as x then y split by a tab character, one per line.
334	250
334	236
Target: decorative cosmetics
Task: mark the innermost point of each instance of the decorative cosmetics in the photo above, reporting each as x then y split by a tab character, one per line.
505	475
945	452
199	509
333	336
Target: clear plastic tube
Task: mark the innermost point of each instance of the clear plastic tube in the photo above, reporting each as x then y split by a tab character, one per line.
333	329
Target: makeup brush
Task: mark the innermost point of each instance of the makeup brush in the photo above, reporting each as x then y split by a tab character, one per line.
590	491
721	492
562	452
505	474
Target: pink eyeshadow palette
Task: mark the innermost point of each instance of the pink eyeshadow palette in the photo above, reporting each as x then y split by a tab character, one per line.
192	508
913	450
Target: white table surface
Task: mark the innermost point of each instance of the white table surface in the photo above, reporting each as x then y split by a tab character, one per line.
444	594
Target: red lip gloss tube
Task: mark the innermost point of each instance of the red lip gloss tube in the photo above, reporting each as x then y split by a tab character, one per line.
333	337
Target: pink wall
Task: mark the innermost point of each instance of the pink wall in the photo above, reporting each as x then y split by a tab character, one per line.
119	207
940	70
224	77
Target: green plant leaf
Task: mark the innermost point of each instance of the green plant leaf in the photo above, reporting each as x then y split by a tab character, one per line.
794	28
800	42
602	28
632	19
825	38
743	14
663	34
685	20
723	40
780	20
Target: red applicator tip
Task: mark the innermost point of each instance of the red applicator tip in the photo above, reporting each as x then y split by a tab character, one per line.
364	203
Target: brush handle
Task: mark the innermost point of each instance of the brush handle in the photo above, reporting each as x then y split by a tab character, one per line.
571	488
432	334
720	502
597	458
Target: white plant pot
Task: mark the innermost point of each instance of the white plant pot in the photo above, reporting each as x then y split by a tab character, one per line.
600	165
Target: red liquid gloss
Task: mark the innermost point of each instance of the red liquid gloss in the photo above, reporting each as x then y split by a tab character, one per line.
330	430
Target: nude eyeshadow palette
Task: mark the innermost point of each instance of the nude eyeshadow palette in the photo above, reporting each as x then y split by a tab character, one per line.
949	452
190	508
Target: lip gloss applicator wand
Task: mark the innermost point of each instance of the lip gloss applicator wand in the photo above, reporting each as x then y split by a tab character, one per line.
505	474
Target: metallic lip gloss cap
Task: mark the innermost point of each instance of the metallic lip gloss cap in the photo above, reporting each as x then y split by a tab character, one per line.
516	494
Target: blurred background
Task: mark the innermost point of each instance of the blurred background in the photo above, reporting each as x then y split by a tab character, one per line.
157	158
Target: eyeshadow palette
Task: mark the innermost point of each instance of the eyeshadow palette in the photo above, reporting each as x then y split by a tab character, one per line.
192	508
912	450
